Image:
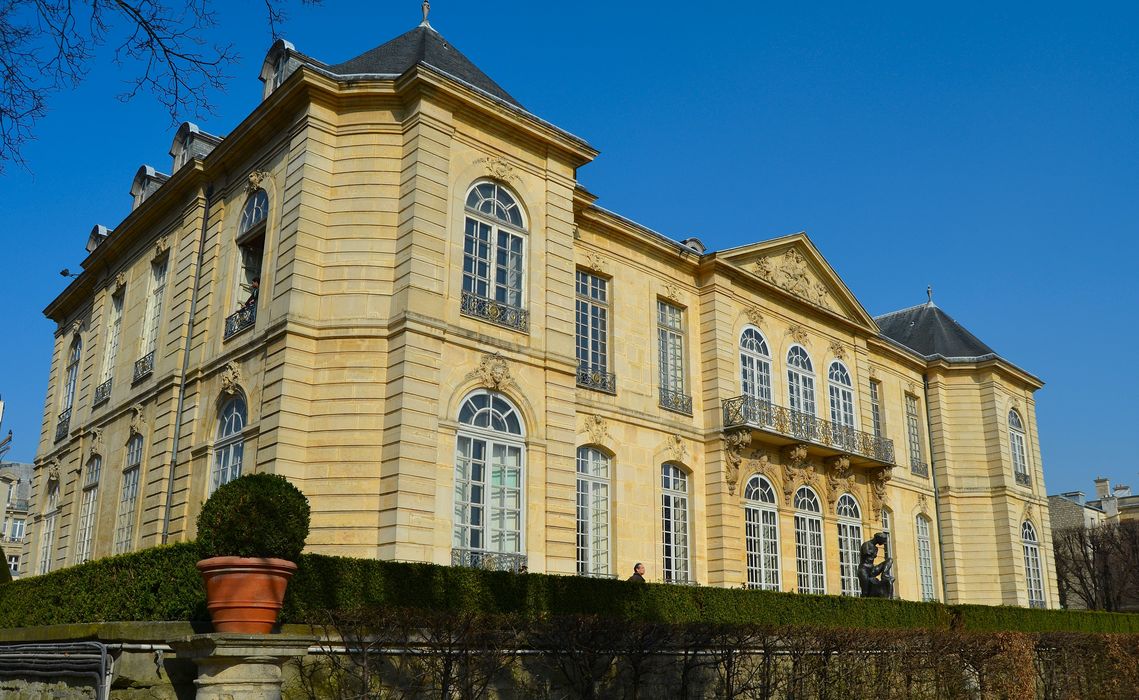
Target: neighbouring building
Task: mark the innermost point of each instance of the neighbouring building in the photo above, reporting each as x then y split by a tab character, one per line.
388	285
16	489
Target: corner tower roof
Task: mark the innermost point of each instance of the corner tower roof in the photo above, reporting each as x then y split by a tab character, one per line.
930	331
421	45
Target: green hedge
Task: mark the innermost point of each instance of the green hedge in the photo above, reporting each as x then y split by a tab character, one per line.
162	584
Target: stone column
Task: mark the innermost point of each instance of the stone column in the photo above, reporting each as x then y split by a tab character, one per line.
240	666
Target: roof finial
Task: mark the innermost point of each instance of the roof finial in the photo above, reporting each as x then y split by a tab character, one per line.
426	11
929	293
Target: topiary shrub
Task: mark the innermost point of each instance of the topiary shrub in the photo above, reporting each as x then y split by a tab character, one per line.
256	515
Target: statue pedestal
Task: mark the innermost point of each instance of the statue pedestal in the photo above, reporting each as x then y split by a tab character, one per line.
240	666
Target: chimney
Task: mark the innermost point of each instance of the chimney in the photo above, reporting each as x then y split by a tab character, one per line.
1102	488
1122	491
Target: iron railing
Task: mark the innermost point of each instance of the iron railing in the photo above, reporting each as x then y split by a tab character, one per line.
1036	604
244	318
595	574
593	377
919	468
492	561
676	401
495	311
143	366
765	415
18	504
102	392
62	426
1023	479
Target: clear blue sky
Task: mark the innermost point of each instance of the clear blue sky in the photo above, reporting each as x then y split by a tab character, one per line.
988	149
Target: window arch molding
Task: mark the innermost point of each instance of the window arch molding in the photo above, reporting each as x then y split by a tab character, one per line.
508	390
480	192
228	453
849	516
840	391
1033	563
495	255
254	215
595	478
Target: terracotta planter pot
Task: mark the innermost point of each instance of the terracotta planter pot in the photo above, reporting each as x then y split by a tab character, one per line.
243	594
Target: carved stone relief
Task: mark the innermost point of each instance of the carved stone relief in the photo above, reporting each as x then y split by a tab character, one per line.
119	282
759	462
839	479
231	379
671	292
500	169
162	247
598	430
923	504
256	177
493	372
596	261
799	334
791	272
95	442
796	470
838	350
734	443
677	448
76	327
754	315
878	481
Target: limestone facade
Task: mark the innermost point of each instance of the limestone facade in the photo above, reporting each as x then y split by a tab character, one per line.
354	359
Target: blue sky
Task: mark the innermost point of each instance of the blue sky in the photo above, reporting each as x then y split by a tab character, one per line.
989	150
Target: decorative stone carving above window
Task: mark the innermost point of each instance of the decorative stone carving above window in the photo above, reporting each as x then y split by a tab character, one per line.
231	379
838	350
797	470
839	479
138	420
923	504
790	272
499	169
256	178
671	292
95	442
596	261
597	429
493	372
162	248
878	481
76	327
799	334
754	315
677	448
734	443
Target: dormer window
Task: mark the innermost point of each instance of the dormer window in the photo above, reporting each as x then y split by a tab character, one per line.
191	142
275	67
146	181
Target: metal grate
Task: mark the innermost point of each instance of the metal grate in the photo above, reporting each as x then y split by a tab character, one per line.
144	366
765	415
102	392
239	321
676	401
492	561
61	427
495	311
596	378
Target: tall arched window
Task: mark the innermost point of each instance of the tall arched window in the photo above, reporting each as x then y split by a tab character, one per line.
809	542
801	392
849	540
72	374
488	478
755	366
841	392
1017	449
47	535
128	497
494	247
762	534
674	523
925	558
592	512
251	243
88	509
229	446
1033	579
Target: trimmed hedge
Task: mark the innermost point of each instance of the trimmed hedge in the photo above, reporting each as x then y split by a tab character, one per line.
162	584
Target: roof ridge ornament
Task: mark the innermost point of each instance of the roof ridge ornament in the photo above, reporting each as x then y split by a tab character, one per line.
929	293
426	11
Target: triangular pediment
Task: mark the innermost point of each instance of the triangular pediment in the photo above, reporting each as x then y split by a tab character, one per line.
793	265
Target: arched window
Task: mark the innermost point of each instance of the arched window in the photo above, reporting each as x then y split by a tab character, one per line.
841	393
88	509
755	366
128	497
762	534
72	375
251	243
47	536
494	246
488	480
801	392
674	520
925	558
1017	449
1033	579
592	512
229	446
849	541
809	542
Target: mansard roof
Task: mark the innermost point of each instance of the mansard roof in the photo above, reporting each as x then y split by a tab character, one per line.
930	332
421	45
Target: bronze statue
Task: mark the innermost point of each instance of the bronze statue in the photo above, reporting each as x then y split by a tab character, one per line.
877	580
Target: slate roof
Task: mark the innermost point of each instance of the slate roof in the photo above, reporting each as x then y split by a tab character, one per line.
421	45
930	331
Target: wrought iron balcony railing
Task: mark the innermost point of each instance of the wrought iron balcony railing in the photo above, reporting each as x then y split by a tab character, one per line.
102	392
1023	479
595	574
495	311
765	415
492	561
919	468
18	504
1036	604
143	366
676	401
592	377
244	318
62	426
